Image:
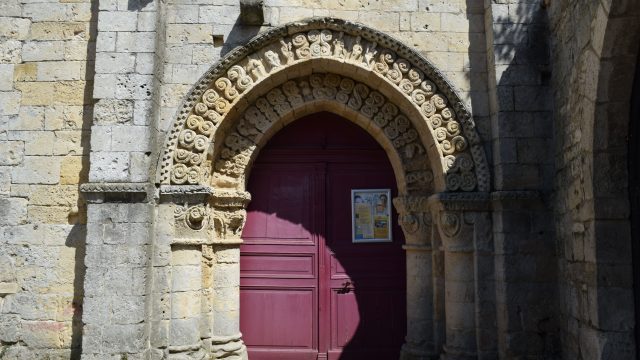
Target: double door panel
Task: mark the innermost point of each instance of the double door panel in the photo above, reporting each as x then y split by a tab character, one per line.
308	291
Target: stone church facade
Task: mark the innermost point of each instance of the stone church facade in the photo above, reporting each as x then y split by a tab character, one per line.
129	129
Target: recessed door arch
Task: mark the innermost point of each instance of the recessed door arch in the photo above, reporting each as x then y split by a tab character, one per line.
307	291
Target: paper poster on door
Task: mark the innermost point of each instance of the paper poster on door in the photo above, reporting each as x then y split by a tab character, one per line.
371	215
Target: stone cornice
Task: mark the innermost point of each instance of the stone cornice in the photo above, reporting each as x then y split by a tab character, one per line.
472	201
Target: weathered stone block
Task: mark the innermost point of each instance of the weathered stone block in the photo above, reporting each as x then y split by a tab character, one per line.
136	42
14	27
10	325
124	338
6	77
184	331
106	41
130	138
43	51
60	31
9	102
11	51
74	170
185	305
146	21
111	166
111	62
71	142
117	21
46	334
38	143
189	34
226	15
186	278
37	170
128	310
11	152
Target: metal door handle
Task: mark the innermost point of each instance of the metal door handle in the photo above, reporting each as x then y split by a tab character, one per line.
347	286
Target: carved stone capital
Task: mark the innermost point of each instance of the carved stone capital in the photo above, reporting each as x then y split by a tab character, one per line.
229	214
415	220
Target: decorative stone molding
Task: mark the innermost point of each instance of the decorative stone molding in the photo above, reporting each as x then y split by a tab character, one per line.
348	47
473	201
195	217
114	187
185	194
514	200
185	190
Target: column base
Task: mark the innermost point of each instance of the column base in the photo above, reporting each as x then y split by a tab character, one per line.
457	354
413	352
228	347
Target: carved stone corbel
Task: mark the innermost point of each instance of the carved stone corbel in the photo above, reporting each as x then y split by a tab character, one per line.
251	12
229	214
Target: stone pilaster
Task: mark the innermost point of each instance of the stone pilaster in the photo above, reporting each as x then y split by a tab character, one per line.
116	286
182	272
416	223
459	220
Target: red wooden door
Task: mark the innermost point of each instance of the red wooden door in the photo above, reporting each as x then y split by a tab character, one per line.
298	253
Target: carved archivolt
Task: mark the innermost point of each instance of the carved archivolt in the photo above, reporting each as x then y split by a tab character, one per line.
213	103
384	117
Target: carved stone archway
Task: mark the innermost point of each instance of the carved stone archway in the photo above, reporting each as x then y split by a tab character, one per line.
367	77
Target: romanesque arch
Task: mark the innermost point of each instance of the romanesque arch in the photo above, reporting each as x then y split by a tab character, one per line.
280	70
367	77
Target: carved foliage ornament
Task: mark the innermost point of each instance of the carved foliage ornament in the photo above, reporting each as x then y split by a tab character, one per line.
184	161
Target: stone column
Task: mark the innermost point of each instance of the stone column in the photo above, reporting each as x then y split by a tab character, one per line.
455	216
229	216
416	225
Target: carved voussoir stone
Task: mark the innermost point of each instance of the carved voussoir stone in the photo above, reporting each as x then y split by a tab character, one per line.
382	58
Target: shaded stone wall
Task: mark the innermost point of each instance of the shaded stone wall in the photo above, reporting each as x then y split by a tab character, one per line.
594	47
521	134
46	82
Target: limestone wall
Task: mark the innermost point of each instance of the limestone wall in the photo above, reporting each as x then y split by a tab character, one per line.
46	75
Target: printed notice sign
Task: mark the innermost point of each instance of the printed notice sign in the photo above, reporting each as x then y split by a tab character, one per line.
371	215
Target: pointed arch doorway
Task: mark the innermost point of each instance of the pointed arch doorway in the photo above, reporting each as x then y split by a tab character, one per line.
306	290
